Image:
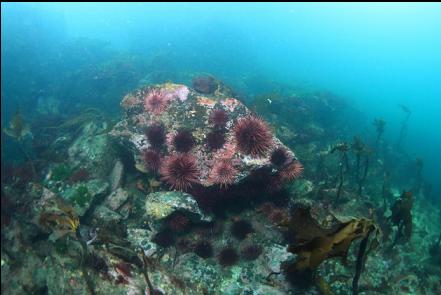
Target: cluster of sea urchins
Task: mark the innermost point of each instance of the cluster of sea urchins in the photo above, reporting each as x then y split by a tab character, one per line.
251	134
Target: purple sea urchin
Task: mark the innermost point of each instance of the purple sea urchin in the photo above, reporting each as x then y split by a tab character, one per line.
240	229
291	171
179	222
218	118
215	139
204	84
164	239
156	135
203	249
228	257
279	157
183	141
251	252
152	160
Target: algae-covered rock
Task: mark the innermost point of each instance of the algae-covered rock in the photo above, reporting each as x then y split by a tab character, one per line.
201	273
93	151
276	255
116	199
86	195
159	205
102	214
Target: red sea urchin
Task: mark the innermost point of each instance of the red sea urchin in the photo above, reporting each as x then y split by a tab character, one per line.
156	135
253	136
180	171
155	102
223	172
291	171
218	118
152	160
183	141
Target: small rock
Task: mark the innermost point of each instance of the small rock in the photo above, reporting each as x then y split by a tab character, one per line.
86	195
159	205
116	176
116	199
102	214
275	256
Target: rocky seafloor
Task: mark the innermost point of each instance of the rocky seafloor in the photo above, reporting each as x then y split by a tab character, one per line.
193	192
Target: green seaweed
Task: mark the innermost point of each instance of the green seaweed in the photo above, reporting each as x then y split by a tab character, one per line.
61	245
81	196
61	172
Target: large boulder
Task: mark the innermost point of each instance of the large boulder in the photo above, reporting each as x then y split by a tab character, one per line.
226	142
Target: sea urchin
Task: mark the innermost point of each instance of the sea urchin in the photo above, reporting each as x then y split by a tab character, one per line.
203	249
215	139
240	229
155	102
164	239
179	222
156	135
180	171
228	257
152	160
183	141
223	172
253	136
291	171
279	157
218	118
251	252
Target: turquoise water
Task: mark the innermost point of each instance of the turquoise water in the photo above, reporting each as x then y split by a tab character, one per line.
318	74
377	56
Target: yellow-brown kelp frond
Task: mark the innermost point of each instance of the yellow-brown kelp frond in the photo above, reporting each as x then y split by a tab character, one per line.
314	243
59	219
17	127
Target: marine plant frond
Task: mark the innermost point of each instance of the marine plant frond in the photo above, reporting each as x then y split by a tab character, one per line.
314	243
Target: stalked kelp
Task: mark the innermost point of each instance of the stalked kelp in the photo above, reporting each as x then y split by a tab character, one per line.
343	149
361	165
19	130
402	217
